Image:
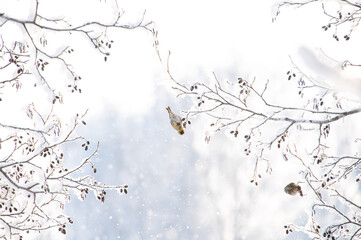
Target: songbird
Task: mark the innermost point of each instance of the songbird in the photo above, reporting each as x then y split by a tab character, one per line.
293	189
175	121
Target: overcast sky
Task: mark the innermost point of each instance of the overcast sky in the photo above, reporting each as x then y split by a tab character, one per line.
179	186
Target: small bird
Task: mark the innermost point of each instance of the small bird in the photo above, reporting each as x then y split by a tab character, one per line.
293	189
175	121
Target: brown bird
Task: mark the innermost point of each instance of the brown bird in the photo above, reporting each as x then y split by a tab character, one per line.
293	189
175	121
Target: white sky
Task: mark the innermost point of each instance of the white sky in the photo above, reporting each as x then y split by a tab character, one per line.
180	187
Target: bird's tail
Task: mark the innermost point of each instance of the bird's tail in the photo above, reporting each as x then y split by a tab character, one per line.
168	109
300	190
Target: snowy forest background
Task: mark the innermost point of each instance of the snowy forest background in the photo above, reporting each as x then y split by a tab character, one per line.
299	62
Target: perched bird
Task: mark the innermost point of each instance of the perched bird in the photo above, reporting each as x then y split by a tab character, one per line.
293	189
175	121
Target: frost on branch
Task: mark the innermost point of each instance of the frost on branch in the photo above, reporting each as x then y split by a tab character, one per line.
343	15
304	127
37	178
